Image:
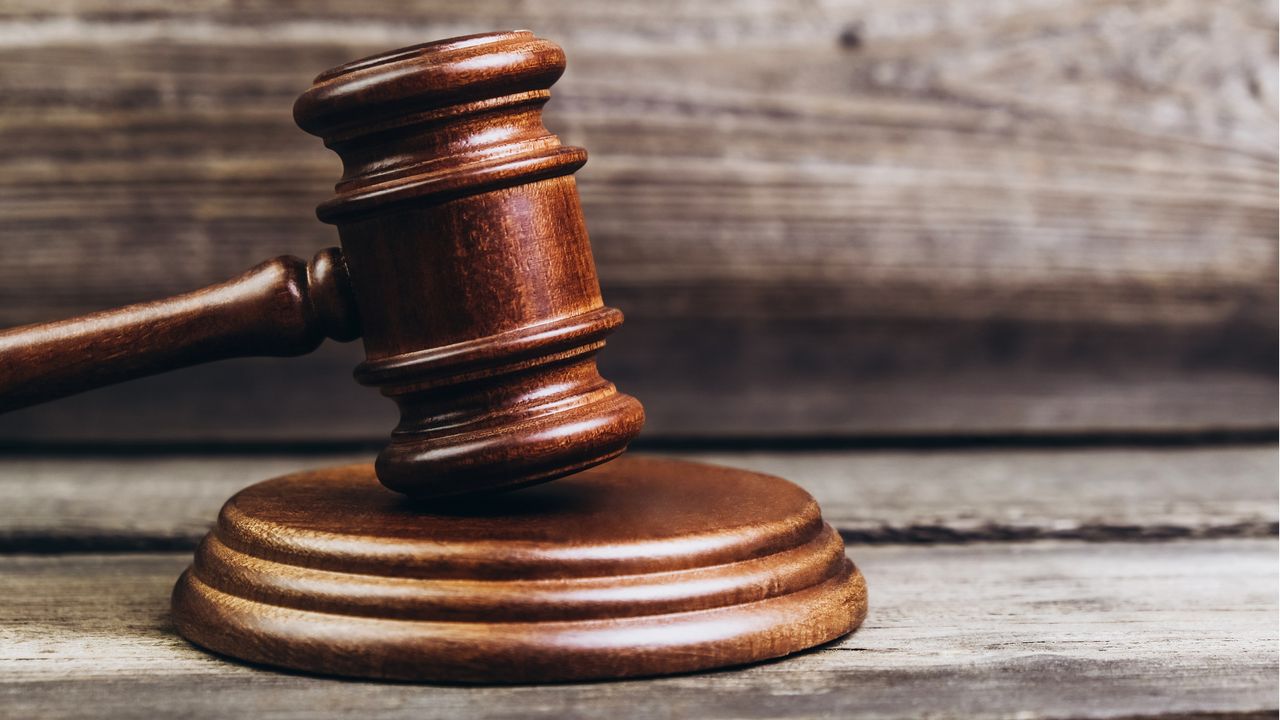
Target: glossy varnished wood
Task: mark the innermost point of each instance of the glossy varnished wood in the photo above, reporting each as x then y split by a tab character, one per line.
635	567
469	256
283	306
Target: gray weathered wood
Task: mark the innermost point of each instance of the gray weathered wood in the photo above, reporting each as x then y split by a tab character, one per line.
870	496
969	151
923	217
1036	630
748	379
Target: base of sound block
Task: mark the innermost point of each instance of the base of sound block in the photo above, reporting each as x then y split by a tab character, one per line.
636	567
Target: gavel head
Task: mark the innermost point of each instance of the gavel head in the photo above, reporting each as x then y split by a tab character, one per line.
470	264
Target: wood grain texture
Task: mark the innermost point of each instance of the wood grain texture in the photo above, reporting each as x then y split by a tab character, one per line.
1038	200
97	503
1046	630
776	379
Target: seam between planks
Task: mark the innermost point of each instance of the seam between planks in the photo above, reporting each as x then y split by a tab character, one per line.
51	544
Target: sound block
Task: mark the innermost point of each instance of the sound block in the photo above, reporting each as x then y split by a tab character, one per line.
637	567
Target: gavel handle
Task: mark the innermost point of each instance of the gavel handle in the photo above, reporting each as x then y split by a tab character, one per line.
281	307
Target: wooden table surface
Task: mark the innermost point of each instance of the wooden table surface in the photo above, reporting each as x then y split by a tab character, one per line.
1068	582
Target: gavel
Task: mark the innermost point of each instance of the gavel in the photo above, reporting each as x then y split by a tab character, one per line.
465	267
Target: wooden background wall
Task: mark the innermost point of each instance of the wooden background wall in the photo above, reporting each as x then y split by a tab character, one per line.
832	218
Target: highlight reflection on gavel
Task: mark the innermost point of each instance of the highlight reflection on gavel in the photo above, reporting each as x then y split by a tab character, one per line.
465	267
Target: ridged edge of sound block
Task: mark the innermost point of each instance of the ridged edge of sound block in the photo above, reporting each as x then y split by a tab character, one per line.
580	582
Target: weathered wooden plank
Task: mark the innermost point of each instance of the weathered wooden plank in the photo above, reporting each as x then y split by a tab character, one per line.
783	378
56	504
1040	630
917	152
903	218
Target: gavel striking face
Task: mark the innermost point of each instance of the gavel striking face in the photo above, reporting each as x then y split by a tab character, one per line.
465	266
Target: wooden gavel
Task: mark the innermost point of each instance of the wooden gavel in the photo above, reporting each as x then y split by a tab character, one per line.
465	266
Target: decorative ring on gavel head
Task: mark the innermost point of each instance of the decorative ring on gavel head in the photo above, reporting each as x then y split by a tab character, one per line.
470	264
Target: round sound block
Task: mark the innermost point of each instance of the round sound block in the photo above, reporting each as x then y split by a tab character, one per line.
636	567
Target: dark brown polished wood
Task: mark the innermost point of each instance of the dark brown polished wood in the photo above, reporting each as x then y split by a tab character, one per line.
469	257
465	267
636	567
283	307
